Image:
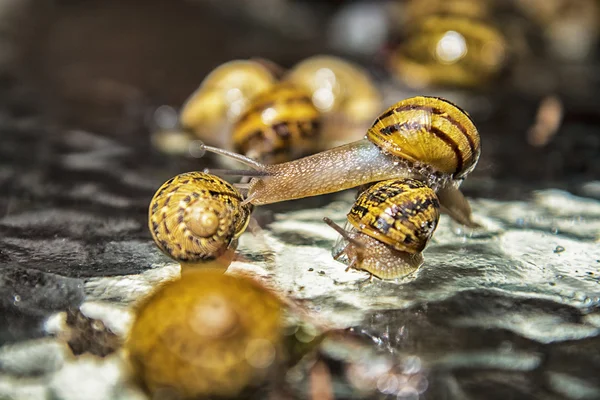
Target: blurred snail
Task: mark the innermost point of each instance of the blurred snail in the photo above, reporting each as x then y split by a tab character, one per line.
427	138
197	217
392	222
278	125
222	97
207	335
454	47
242	107
343	92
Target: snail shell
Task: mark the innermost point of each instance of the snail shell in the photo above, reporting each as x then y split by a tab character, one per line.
279	125
195	217
429	131
343	92
222	97
400	213
338	86
450	51
206	335
391	223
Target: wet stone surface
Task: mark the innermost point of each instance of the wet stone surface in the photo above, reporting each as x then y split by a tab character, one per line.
509	310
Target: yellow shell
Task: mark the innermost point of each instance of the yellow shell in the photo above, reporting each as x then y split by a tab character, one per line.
222	96
206	335
402	213
195	216
429	131
450	51
338	86
279	125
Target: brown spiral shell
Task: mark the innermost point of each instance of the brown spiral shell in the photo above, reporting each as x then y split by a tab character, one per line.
402	213
195	216
429	131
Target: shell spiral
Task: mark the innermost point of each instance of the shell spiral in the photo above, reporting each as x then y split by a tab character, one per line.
195	216
429	131
401	213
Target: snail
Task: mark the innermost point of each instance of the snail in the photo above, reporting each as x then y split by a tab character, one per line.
222	97
343	92
427	138
278	125
392	222
241	106
196	217
207	335
449	50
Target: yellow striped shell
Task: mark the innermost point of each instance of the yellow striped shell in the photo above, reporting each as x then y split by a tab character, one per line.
278	125
429	131
402	213
206	335
195	216
222	96
449	51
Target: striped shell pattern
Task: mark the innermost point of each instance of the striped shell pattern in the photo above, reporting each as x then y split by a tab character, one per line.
429	131
195	216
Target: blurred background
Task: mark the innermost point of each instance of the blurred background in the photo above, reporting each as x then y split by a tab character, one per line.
105	67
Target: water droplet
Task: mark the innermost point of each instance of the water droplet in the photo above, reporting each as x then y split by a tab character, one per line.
520	221
408	393
197	149
411	365
165	117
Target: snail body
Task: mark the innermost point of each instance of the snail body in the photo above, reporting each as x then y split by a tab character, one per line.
222	97
196	217
206	335
243	106
391	223
449	50
278	125
427	138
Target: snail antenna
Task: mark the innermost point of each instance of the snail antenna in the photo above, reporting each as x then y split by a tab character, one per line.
343	233
235	172
248	199
255	165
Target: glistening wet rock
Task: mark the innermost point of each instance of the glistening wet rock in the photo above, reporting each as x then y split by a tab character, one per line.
28	296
